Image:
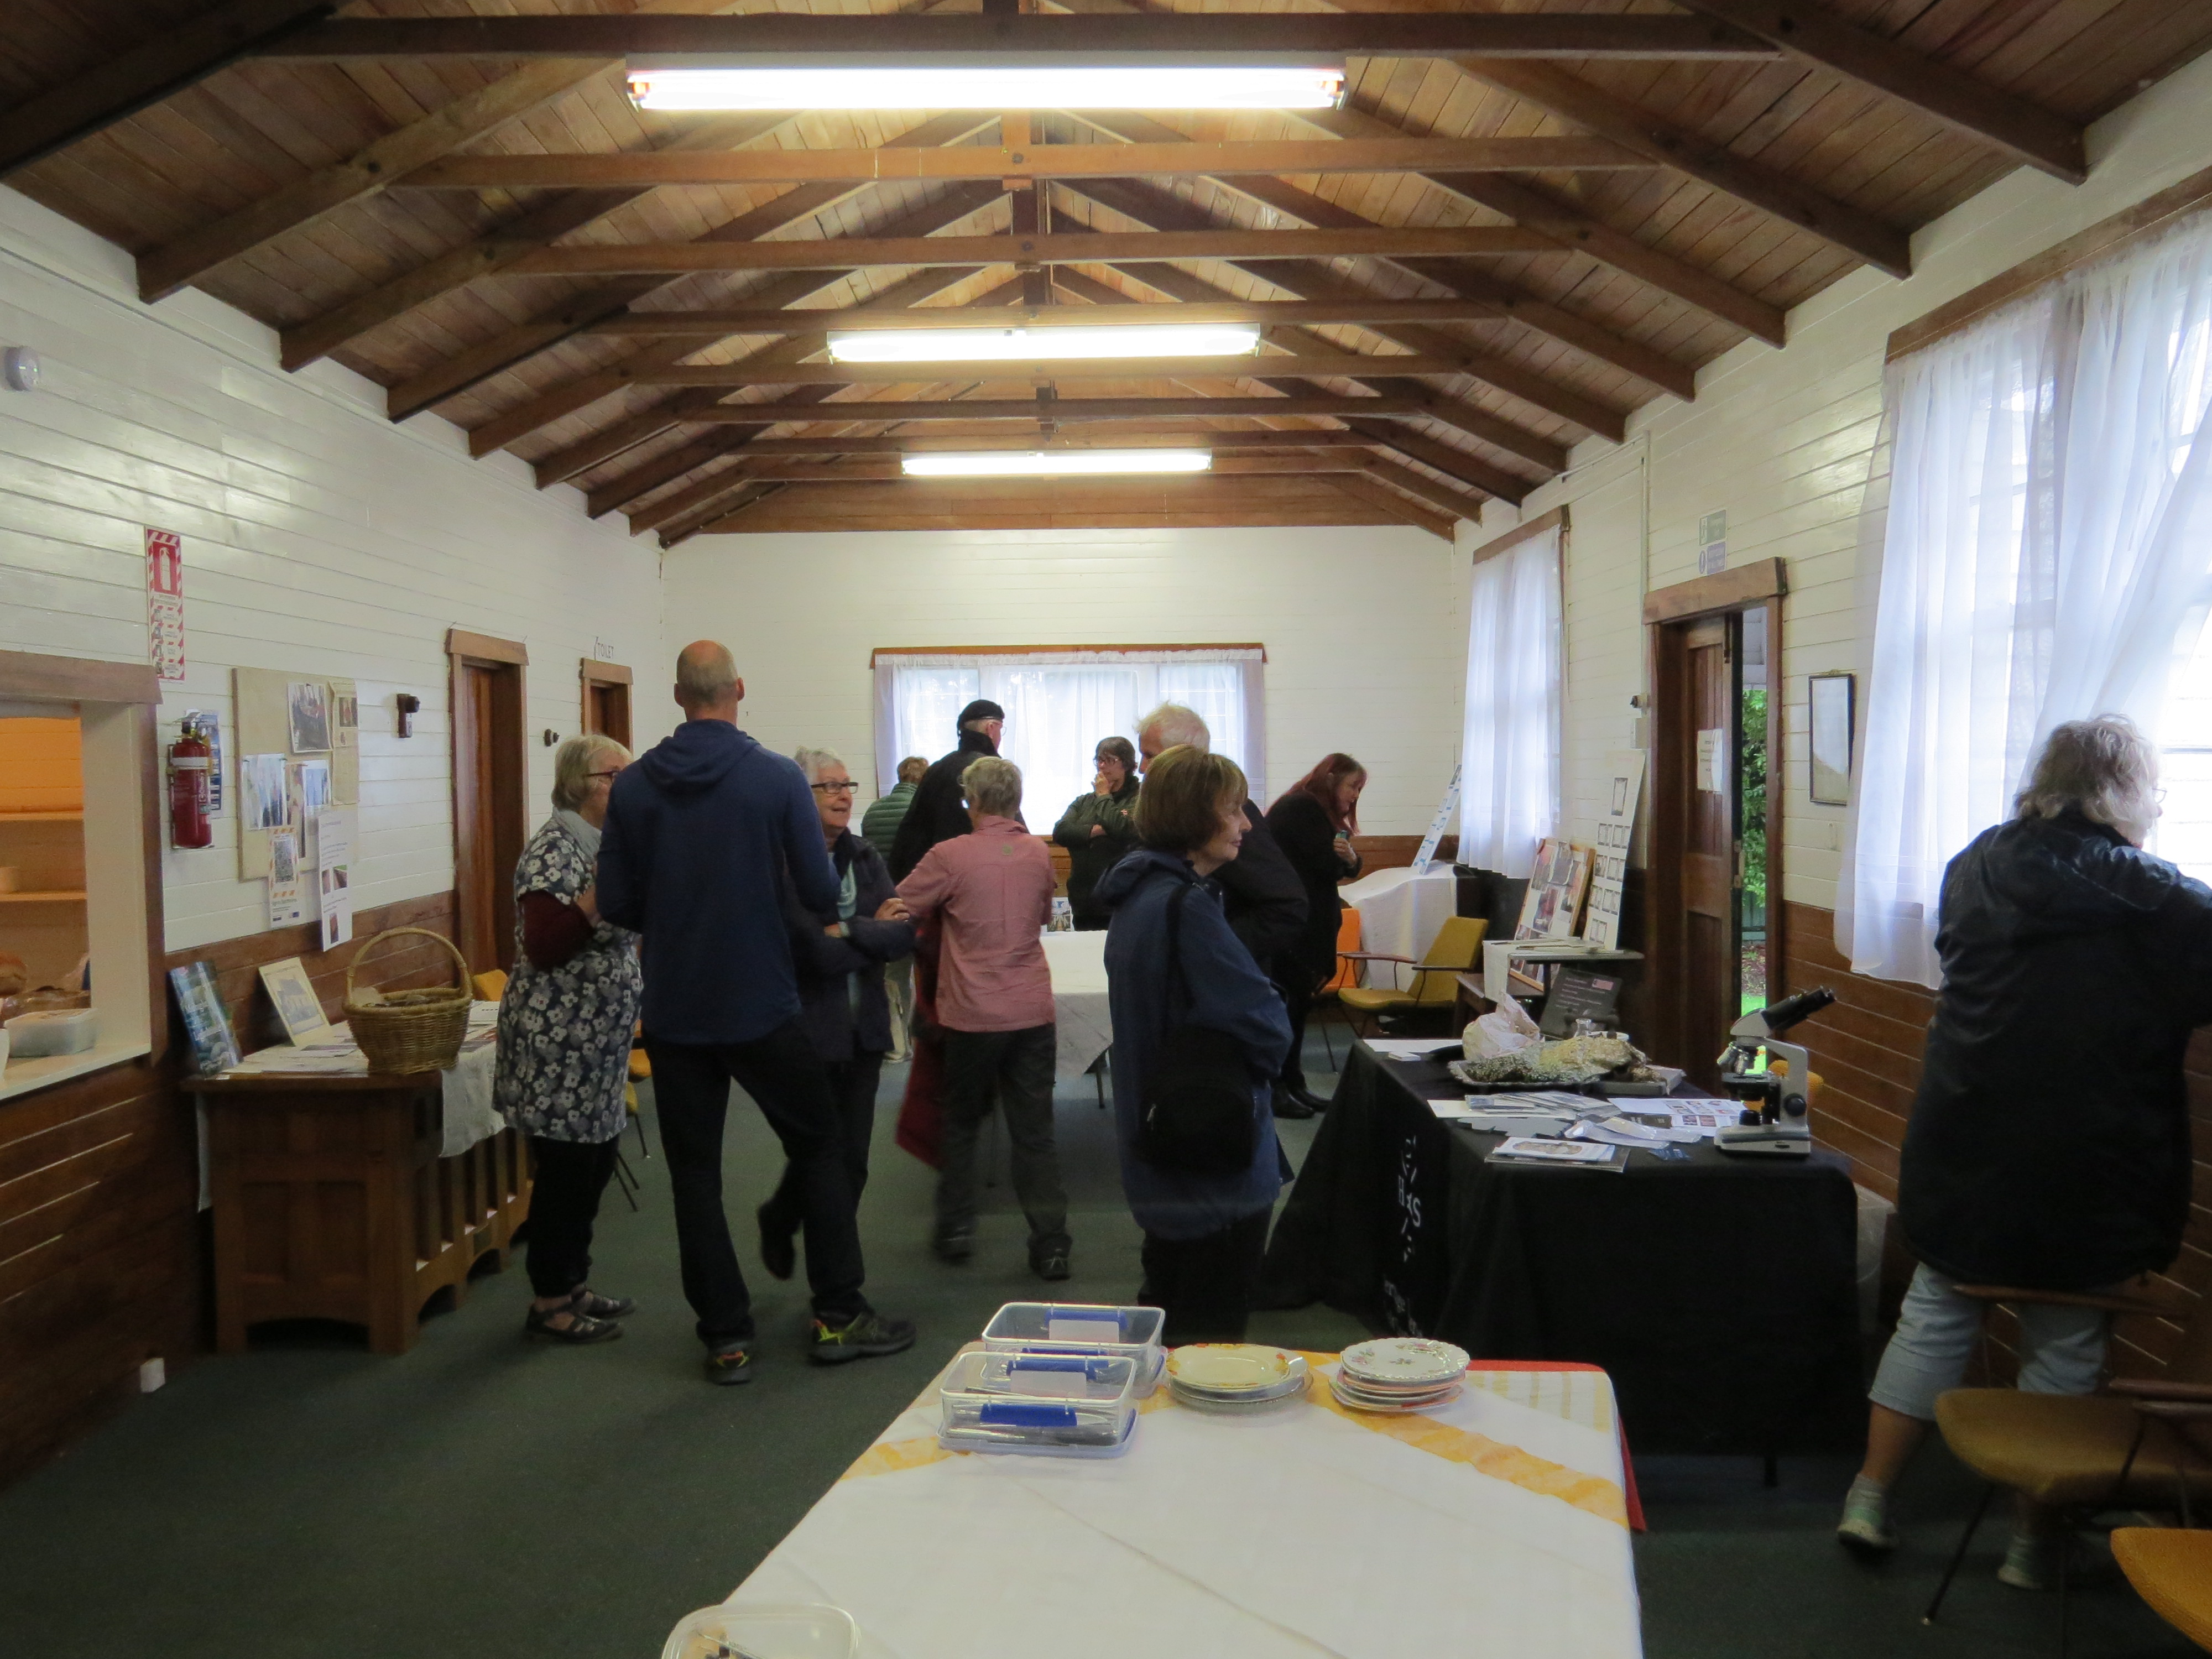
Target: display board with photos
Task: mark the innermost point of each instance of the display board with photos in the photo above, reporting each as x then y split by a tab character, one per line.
298	742
1557	887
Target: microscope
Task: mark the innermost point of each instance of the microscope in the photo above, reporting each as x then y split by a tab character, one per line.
1775	1101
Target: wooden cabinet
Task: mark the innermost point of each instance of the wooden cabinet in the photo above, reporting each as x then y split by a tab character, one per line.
332	1201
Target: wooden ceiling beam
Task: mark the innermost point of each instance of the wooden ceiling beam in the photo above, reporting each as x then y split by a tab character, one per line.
1401	438
1507	302
52	120
1577	231
1858	233
1316	438
1423	487
1062	410
1179	157
720	324
616	259
555	402
1166	39
541	226
876	469
1361	486
479	362
2024	130
1478	423
1246	365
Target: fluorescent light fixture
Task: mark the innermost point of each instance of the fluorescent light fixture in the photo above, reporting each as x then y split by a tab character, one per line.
921	84
1052	464
1029	345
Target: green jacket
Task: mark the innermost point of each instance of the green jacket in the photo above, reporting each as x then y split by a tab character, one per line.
1089	856
879	824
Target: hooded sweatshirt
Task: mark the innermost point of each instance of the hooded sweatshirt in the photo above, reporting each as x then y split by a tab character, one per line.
698	835
2048	1143
938	812
1226	991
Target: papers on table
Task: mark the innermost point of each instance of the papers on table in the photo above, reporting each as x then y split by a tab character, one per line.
1414	1048
334	1054
1575	1154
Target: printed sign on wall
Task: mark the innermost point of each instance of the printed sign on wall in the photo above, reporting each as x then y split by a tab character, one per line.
165	602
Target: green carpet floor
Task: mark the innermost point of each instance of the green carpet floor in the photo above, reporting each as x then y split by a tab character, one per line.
485	1498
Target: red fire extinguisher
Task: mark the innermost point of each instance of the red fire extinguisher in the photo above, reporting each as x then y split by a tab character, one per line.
189	761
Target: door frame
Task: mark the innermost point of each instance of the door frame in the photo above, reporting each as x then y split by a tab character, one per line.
1667	614
508	810
592	673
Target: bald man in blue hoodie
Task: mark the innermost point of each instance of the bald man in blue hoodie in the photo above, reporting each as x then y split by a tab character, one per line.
697	833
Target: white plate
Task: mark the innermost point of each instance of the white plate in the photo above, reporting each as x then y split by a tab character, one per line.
1404	1361
1239	1404
1392	1408
1231	1369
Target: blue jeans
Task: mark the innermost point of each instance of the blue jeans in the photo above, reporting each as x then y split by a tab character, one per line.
2063	1349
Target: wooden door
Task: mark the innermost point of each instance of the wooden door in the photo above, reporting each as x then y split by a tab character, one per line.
1710	979
608	711
490	778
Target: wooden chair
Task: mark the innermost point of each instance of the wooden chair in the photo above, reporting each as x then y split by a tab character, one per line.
1347	974
2171	1571
490	985
2145	1440
1456	948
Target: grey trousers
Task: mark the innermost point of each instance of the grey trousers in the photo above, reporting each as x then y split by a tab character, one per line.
1018	1068
2063	1348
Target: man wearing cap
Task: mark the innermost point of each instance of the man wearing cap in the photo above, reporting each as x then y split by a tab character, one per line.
939	810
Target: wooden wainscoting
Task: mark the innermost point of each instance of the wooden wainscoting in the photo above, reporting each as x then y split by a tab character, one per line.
1867	1050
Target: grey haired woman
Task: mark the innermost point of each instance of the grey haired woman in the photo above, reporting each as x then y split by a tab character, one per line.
564	1039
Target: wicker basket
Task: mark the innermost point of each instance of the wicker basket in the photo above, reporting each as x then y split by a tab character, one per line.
409	1030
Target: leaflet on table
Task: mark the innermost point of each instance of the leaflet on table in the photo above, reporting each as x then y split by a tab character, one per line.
1485	1121
1412	1048
1524	1149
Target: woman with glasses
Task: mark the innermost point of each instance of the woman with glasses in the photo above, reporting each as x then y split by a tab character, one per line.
564	1038
840	956
1096	828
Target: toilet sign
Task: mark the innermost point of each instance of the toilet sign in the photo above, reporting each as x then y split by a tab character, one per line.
165	603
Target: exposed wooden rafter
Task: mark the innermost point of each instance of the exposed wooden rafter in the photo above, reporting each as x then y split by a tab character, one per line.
1177	157
1362	487
1268	313
2045	141
1243	367
144	75
1056	409
1165	37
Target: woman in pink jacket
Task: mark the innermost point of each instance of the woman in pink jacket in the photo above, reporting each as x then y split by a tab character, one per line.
990	893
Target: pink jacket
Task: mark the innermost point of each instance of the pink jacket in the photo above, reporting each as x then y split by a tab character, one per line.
992	889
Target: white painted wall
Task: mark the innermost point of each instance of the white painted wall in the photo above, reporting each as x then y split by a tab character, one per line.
317	536
1365	627
1784	441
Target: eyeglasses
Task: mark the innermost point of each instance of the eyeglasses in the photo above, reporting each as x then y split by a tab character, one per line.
617	772
847	789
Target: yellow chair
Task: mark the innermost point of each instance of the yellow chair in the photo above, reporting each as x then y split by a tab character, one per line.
489	987
2171	1571
2081	1453
1457	946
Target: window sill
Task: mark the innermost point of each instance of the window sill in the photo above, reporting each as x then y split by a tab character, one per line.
22	1076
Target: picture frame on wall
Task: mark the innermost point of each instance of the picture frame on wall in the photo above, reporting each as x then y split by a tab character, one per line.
1834	714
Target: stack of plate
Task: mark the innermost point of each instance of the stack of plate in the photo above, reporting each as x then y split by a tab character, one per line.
1234	1376
1399	1374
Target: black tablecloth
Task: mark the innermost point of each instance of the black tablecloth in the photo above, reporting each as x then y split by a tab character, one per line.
1719	1292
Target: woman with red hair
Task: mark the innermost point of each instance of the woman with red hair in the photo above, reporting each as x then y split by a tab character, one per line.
1313	822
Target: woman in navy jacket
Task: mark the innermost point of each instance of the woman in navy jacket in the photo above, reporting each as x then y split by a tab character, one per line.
1204	1235
838	955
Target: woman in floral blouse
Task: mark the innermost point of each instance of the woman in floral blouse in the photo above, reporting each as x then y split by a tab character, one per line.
564	1038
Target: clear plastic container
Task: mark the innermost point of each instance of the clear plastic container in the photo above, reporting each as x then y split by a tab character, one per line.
763	1632
1132	1334
1060	1404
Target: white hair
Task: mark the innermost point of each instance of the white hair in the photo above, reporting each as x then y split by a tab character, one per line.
1175	723
2104	769
814	762
572	766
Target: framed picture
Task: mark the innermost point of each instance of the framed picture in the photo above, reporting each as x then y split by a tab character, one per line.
1834	698
297	1005
1556	887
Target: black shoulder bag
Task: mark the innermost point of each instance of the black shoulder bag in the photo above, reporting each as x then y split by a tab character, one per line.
1196	1114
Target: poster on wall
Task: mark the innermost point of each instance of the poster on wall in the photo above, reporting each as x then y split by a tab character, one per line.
263	801
308	710
1616	828
165	603
334	873
345	742
287	900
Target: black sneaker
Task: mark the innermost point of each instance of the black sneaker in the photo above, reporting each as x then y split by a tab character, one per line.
955	1248
1050	1261
729	1364
580	1329
586	1301
778	1246
865	1336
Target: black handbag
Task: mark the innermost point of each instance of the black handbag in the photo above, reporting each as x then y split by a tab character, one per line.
1196	1115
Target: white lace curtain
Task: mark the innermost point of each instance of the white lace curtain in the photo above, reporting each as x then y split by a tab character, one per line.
1510	763
2047	551
1059	704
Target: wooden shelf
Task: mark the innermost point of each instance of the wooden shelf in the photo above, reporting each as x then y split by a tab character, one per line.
58	897
41	817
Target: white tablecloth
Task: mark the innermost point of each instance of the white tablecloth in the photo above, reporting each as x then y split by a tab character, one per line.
1494	1525
1400	915
1083	1026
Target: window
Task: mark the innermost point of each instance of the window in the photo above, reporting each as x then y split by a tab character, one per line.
1059	704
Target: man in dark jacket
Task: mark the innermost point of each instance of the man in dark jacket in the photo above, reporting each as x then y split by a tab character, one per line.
2049	1144
1264	898
698	834
938	811
841	954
